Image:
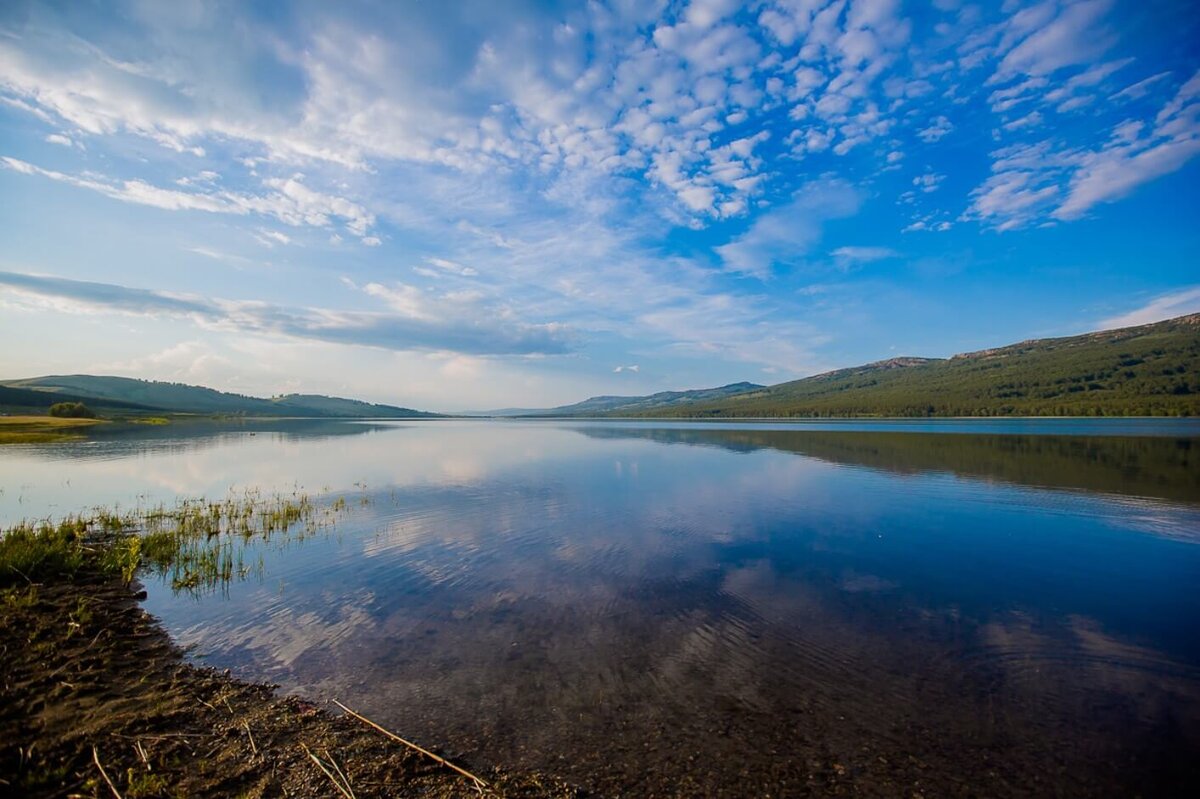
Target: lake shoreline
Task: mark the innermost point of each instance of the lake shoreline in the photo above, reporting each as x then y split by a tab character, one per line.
96	691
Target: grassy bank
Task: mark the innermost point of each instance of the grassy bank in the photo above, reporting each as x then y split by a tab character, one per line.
96	701
42	429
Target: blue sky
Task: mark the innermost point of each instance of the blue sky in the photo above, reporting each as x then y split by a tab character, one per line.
481	204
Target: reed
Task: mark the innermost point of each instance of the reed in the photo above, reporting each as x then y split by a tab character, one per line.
197	544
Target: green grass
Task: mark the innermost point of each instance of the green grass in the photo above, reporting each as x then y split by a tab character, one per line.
197	544
35	552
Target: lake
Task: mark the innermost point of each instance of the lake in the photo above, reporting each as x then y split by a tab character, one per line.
888	608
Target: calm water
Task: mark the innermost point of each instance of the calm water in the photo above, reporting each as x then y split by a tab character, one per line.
1004	608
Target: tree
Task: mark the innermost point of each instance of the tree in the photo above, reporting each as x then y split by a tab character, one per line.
72	410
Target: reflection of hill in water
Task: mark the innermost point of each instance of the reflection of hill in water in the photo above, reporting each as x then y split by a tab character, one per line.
1165	468
121	441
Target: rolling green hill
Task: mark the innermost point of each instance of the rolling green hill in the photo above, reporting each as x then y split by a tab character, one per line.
1151	370
26	400
132	396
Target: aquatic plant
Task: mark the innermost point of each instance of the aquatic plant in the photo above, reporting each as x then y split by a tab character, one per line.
196	543
30	551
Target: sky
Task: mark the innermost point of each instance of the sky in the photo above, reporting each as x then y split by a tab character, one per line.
474	205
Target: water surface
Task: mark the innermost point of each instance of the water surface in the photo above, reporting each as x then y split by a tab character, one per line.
998	608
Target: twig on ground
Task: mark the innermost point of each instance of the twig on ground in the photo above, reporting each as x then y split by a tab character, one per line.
338	769
103	773
342	785
479	784
253	748
141	750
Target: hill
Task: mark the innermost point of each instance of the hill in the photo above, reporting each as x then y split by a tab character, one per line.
1150	370
629	406
26	399
129	395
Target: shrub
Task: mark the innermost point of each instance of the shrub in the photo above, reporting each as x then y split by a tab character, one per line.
72	410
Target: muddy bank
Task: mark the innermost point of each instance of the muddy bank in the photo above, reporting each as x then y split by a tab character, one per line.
87	674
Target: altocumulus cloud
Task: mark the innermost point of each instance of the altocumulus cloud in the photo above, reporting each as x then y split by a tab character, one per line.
398	330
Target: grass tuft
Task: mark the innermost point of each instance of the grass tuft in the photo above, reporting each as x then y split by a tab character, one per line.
198	544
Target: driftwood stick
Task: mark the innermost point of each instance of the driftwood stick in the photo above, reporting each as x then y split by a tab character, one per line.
103	773
478	782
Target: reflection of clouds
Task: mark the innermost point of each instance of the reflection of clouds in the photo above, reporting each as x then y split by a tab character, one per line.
558	536
279	637
1059	657
399	455
520	592
854	583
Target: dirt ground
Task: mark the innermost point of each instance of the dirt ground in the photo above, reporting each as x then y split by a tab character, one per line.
94	693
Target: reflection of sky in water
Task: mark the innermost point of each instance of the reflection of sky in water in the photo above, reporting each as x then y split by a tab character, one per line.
631	599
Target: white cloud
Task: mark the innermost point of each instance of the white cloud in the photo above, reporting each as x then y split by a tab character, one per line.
783	236
218	255
291	202
1069	96
453	267
938	128
859	255
272	237
633	368
1047	180
1166	306
1127	161
1011	199
928	182
1030	120
187	362
1140	89
416	322
1075	35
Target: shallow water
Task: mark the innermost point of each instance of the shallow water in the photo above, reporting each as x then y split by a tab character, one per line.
725	609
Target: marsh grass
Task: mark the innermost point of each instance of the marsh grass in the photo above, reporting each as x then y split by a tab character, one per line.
32	551
199	545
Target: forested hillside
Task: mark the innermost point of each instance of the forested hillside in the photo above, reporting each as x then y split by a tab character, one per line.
131	395
1152	370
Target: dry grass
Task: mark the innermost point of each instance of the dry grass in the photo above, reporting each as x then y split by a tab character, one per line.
42	429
